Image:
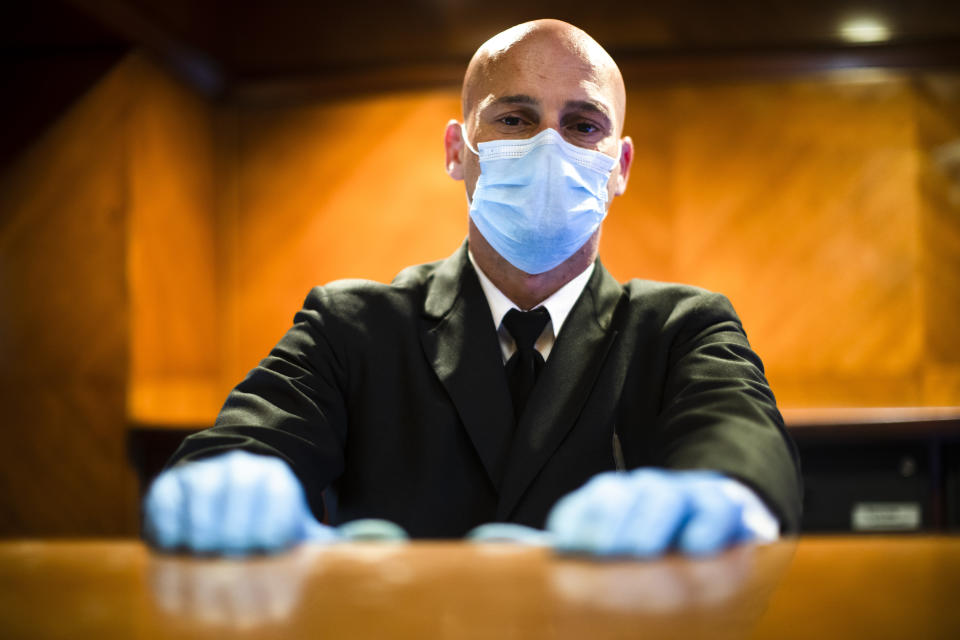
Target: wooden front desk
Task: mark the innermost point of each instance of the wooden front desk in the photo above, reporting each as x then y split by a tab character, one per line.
817	587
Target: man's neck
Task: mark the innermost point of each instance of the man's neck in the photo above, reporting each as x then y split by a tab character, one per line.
524	289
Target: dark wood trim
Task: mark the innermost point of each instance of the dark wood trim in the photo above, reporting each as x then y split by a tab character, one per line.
640	67
197	68
874	422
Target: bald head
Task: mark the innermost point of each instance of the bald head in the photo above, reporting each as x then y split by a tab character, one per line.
541	48
539	75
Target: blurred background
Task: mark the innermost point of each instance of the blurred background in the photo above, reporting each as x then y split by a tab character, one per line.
175	175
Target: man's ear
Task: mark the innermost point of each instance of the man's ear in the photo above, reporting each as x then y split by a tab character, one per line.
626	161
453	146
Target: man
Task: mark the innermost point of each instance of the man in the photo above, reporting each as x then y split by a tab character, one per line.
625	419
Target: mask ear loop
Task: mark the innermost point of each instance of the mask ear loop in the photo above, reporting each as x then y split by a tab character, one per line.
466	140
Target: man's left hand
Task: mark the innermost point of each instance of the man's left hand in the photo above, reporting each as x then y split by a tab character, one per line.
648	511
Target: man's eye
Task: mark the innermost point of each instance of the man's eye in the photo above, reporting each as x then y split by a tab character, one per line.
511	121
585	127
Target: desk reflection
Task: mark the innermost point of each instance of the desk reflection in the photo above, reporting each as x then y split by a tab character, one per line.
236	594
831	587
457	590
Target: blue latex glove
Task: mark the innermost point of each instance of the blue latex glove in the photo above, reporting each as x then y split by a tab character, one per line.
647	512
509	533
372	530
234	503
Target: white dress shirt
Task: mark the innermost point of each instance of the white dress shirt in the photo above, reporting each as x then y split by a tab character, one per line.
557	305
756	516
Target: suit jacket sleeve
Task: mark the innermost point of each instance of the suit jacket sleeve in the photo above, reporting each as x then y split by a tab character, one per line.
291	405
718	410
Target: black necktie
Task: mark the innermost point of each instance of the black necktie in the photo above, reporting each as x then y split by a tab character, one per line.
524	365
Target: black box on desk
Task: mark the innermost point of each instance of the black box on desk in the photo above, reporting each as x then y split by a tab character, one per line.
857	486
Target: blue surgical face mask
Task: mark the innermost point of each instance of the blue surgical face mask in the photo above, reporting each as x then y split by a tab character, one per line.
539	199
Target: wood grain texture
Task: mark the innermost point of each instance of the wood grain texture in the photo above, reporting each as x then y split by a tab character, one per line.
64	326
63	468
107	285
799	200
938	129
172	258
420	590
814	587
867	587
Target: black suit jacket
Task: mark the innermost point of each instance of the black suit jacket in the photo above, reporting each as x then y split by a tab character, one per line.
391	401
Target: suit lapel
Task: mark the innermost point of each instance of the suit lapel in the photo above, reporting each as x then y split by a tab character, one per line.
460	341
563	386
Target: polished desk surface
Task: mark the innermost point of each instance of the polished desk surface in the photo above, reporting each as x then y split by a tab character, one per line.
817	587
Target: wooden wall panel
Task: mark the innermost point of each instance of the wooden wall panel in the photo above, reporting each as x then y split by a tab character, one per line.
63	326
798	200
638	234
172	259
108	296
64	471
938	124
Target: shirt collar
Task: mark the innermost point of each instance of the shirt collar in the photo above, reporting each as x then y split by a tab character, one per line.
558	305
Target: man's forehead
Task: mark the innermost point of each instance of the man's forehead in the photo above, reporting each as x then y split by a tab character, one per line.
547	70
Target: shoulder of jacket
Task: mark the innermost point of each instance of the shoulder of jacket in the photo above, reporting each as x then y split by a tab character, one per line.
638	288
355	293
676	301
416	276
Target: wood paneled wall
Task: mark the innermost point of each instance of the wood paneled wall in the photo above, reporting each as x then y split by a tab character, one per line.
799	200
107	297
938	137
173	251
63	325
153	247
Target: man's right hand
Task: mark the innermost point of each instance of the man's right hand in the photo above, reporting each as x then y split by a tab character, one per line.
234	503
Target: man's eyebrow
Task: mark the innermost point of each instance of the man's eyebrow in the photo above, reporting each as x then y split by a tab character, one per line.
520	98
569	105
586	105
